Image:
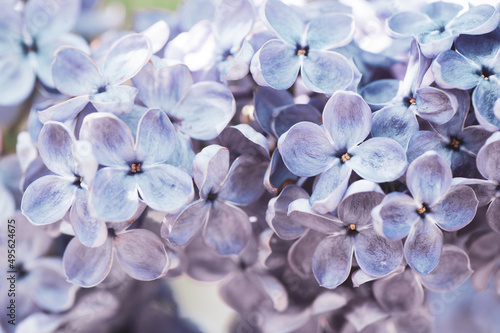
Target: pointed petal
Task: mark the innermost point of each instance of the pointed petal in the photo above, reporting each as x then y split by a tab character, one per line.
456	209
155	137
347	119
378	160
75	73
301	212
116	99
227	230
206	110
423	247
330	188
87	266
64	111
47	199
126	58
453	270
395	216
326	71
330	30
55	145
279	64
306	149
111	139
187	224
114	195
428	178
89	231
331	262
284	22
375	254
141	254
165	187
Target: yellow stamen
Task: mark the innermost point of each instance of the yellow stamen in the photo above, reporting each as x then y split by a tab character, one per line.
345	157
413	101
301	52
421	210
136	167
484	77
455	143
352	226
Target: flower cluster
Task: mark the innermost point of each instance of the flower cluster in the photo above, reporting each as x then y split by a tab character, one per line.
330	185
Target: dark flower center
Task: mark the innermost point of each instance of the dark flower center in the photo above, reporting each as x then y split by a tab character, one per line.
409	101
33	47
486	73
212	196
21	271
423	210
351	230
101	89
302	50
454	144
111	233
135	167
78	181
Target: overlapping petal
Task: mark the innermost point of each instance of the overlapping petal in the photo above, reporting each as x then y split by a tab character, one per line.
456	209
156	137
280	65
322	71
423	247
331	262
284	22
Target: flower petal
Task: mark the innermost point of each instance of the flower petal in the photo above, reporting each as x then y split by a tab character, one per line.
332	259
64	111
111	139
89	231
126	58
492	215
399	293
375	254
395	216
424	141
395	122
17	80
47	199
114	195
428	178
453	270
484	98
347	119
453	70
435	105
356	208
210	168
306	150
141	254
75	73
47	20
233	21
488	158
205	112
284	21
227	230
187	224
423	247
405	24
301	253
378	160
329	30
116	99
279	64
165	187
442	12
478	20
456	209
87	266
156	137
325	71
301	212
330	188
266	100
292	114
55	145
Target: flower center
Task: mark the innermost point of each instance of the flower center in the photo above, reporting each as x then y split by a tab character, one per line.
135	167
423	210
352	226
455	144
302	50
78	181
345	157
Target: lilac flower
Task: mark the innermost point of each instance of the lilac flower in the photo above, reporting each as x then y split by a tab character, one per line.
225	227
454	142
76	74
474	64
140	253
200	110
351	232
439	23
335	149
50	197
29	38
434	204
304	47
136	169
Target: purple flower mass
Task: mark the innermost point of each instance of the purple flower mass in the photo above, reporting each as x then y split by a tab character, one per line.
325	166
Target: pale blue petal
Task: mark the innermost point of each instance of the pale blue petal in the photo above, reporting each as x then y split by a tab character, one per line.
300	211
301	253
424	141
331	262
141	254
477	20
116	99
347	119
165	187
277	174
395	122
290	115
456	209
378	93
428	178
242	139
89	231
423	247
284	21
356	207
55	146
233	21
228	229
17	80
484	98
492	215
205	112
266	100
75	73
114	195
330	188
47	20
64	111
442	12
329	30
400	293
435	105
306	150
453	70
48	199
187	224
479	49
395	216
210	168
376	255
378	159
239	65
279	64
126	58
326	71
156	138
406	24
434	42
111	139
